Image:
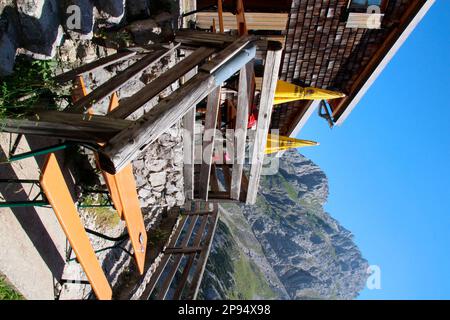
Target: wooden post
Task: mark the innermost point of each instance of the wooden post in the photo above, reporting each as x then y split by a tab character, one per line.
271	70
209	135
220	13
240	135
126	146
189	144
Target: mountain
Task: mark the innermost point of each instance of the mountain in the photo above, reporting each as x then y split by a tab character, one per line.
286	246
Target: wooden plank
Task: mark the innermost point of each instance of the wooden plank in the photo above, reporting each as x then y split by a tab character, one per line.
162	82
202	38
97	64
254	20
132	214
228	53
271	70
118	81
125	146
119	151
240	135
203	258
165	258
75	127
189	263
186	250
189	144
58	195
164	288
209	135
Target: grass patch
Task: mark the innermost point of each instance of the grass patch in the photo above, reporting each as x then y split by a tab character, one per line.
7	292
104	216
30	85
250	283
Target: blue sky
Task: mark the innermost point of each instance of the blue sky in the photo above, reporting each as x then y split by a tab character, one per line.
389	166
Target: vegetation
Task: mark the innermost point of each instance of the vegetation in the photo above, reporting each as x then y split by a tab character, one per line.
7	292
104	216
29	86
250	282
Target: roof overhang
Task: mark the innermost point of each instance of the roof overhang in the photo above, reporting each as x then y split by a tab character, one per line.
412	19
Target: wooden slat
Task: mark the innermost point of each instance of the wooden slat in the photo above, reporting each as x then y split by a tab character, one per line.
119	151
271	69
209	135
189	144
165	258
240	135
76	127
202	38
90	67
254	20
162	82
164	288
125	146
189	263
58	195
203	258
118	81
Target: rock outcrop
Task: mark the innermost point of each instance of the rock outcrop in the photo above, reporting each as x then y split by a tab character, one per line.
310	253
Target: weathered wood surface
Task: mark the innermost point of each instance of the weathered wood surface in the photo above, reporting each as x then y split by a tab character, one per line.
202	38
228	53
209	135
203	258
164	288
118	81
162	82
76	127
240	136
97	64
271	69
189	144
253	20
165	258
126	146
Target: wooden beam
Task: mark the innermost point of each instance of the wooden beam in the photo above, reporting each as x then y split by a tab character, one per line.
189	144
202	38
125	146
209	135
227	54
118	81
75	127
183	250
190	261
240	135
271	70
97	64
155	87
220	14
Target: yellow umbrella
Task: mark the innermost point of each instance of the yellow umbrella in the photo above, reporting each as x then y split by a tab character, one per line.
287	92
277	143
